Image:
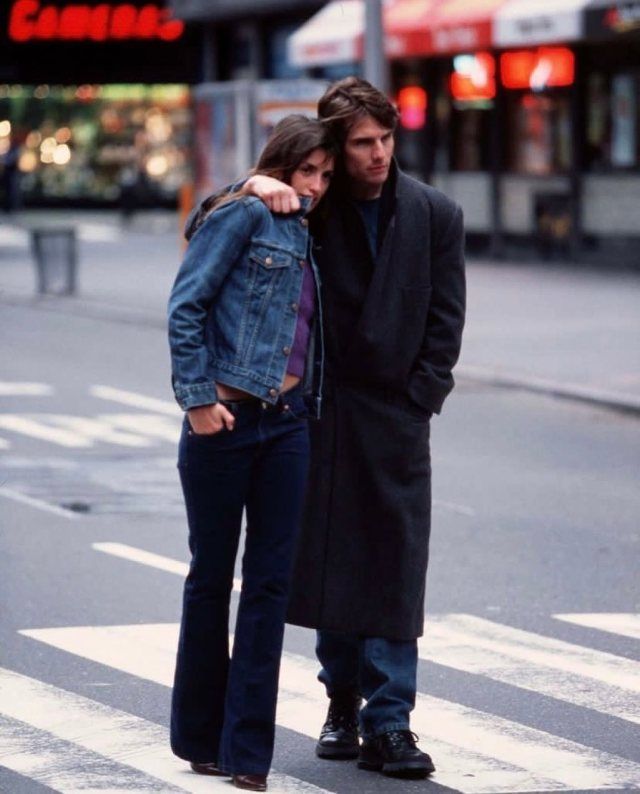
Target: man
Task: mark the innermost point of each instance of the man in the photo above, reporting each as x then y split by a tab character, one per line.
390	254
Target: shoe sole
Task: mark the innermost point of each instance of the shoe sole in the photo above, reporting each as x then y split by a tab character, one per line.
398	768
337	753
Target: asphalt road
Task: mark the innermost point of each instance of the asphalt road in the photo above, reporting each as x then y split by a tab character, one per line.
535	516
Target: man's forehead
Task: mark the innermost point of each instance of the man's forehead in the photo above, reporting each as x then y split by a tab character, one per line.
367	127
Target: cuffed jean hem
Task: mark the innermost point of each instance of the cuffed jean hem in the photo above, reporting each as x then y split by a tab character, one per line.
392	726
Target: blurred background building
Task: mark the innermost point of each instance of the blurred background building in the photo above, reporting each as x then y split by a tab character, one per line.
527	112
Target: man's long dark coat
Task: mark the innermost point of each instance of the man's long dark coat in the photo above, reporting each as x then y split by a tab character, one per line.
393	327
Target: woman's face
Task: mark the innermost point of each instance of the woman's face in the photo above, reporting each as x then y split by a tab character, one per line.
313	175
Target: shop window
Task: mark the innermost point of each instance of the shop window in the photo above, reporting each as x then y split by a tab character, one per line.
539	133
94	144
613	118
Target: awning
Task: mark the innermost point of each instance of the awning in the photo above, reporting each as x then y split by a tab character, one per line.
431	27
411	28
463	26
529	22
336	33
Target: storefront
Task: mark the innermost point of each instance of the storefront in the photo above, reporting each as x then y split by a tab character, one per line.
95	100
527	113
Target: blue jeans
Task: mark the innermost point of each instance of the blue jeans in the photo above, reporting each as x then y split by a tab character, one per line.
383	671
223	709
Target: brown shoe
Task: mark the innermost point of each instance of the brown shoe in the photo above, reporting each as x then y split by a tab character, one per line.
208	769
250	782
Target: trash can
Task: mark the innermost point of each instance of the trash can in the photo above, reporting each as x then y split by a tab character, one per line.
55	252
553	222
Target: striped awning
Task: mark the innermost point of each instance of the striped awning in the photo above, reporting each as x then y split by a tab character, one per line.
431	27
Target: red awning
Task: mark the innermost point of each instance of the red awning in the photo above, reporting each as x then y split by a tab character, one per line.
411	28
463	25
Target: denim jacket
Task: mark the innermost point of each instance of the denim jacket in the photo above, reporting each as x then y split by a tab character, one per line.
233	309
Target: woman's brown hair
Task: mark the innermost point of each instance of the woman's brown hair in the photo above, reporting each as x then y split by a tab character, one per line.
292	140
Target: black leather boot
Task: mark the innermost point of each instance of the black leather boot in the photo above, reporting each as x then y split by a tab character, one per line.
395	754
339	735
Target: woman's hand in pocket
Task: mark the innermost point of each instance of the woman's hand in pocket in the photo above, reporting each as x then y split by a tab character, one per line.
206	420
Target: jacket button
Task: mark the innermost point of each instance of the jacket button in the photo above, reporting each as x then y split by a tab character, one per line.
268	261
304	222
273	392
303	262
286	350
295	307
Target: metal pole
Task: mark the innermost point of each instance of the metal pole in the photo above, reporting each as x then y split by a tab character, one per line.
376	68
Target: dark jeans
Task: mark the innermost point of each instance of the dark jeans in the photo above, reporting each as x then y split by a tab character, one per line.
383	671
223	709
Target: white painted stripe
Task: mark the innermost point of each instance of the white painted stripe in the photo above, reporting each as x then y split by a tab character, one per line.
477	752
464	510
135	400
152	560
8	389
18	423
118	736
97	430
9	493
4	444
65	767
160	427
582	676
625	623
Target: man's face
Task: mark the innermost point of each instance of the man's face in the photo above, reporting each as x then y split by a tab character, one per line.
367	156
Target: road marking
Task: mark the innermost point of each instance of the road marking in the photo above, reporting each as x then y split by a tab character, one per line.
28	426
146	424
589	678
98	430
8	389
113	734
478	752
149	558
9	493
135	400
464	510
66	767
72	431
627	624
4	444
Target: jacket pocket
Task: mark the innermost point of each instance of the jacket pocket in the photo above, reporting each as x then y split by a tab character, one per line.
269	257
419	296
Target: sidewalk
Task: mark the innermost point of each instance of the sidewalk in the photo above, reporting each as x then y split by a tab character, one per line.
558	330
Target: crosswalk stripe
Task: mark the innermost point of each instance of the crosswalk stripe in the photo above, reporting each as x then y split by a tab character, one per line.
28	426
582	676
66	767
12	389
143	557
116	735
626	624
4	444
98	430
135	400
478	752
154	425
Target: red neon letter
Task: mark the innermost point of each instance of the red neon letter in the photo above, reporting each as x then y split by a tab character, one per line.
147	24
123	22
74	22
170	29
20	21
98	25
47	23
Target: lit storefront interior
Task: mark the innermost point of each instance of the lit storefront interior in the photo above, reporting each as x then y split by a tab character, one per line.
530	111
97	99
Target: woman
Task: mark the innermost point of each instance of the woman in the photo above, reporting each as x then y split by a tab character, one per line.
246	348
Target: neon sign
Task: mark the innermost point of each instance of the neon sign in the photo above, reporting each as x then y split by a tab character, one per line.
29	20
546	67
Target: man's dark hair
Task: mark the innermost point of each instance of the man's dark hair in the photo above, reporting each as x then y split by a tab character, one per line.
348	101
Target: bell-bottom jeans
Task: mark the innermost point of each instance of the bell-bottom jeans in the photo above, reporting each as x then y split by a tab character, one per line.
223	708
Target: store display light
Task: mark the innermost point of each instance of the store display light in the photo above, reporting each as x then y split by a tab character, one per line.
412	103
5	128
546	67
473	77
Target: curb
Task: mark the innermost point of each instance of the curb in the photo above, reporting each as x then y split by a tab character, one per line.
615	401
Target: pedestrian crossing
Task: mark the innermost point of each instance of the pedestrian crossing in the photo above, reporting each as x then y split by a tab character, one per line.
476	752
